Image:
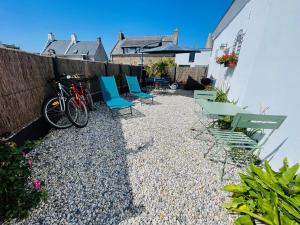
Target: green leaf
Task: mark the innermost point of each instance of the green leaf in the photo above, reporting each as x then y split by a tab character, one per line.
244	209
244	220
269	170
285	165
235	188
235	203
297	178
289	174
291	210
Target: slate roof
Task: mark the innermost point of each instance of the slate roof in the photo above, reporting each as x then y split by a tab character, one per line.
152	41
66	48
59	46
83	47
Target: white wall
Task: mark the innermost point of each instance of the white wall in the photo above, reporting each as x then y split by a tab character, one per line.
201	59
267	74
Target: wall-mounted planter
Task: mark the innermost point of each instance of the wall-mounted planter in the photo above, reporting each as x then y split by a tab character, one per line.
231	64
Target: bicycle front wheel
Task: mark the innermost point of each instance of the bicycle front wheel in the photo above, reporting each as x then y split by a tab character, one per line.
77	112
54	114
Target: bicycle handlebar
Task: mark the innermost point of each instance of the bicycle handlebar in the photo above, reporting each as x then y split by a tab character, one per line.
65	77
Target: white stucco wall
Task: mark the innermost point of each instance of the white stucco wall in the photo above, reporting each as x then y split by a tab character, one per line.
201	59
267	74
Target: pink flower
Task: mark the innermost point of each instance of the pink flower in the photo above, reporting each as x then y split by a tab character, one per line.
24	154
29	162
37	184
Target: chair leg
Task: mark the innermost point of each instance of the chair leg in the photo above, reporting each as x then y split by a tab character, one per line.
112	113
210	148
224	165
131	110
152	100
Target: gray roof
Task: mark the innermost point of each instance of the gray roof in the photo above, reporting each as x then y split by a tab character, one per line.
66	48
59	46
150	41
83	47
233	10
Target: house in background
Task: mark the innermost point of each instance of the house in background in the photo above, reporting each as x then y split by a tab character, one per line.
199	58
75	49
127	49
9	46
264	35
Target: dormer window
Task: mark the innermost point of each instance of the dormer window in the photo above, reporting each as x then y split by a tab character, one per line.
51	51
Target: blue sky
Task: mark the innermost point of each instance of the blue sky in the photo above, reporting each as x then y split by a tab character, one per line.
26	23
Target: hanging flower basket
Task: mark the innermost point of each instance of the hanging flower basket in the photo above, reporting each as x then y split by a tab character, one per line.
229	60
230	64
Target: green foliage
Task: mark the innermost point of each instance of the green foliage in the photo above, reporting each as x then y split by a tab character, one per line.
160	68
225	122
268	196
17	192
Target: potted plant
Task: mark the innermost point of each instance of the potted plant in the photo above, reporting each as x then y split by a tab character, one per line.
229	60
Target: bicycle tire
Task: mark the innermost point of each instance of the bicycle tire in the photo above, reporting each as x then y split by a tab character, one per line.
71	105
60	116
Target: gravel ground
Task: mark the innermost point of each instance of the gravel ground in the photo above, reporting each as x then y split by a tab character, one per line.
141	169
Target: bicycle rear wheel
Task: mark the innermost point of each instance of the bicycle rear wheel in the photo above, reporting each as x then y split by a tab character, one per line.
54	115
77	112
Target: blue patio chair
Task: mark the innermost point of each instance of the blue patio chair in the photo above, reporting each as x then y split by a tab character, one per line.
134	88
111	95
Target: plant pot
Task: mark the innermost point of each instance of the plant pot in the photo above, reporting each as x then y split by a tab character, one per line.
230	64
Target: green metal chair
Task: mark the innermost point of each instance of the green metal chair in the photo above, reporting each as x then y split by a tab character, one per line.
204	94
239	140
205	119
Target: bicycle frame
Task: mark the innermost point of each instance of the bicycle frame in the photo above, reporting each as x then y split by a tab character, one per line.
61	97
79	93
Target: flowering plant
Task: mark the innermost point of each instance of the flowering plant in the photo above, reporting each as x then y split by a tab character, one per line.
18	193
227	58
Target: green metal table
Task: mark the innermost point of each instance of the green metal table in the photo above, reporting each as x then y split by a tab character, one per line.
220	108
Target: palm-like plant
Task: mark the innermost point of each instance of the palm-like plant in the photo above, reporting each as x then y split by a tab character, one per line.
160	68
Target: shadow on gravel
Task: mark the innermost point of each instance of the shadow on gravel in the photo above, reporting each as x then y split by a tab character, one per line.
168	92
125	114
111	185
86	174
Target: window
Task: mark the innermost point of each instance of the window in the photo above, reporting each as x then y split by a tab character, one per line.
192	57
131	50
184	65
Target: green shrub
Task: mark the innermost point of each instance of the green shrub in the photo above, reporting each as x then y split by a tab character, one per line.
18	193
267	196
160	68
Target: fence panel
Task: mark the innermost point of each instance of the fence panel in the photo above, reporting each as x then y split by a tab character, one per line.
23	87
190	77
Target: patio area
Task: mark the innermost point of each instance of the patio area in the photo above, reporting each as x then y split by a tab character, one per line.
142	169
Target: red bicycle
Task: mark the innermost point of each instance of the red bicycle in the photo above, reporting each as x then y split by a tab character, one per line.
78	101
79	88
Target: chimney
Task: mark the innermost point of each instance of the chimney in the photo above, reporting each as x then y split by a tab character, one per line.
98	40
209	42
51	37
74	38
176	33
120	36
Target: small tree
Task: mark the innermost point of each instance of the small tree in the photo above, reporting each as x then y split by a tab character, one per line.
160	68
